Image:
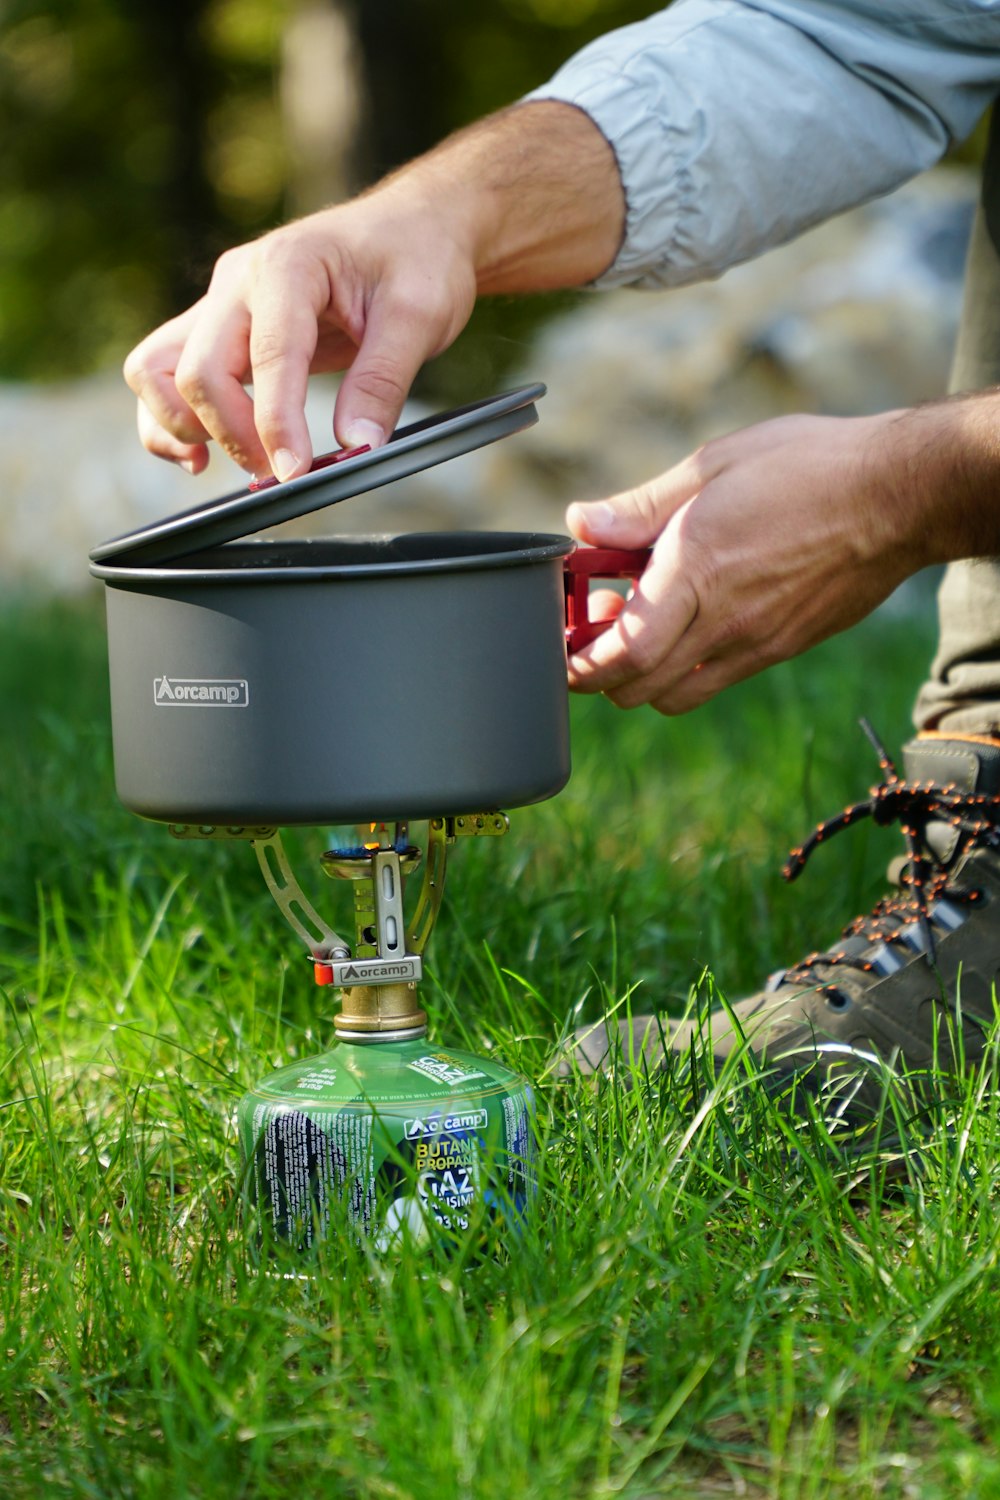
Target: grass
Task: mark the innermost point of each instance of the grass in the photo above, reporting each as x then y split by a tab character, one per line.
704	1302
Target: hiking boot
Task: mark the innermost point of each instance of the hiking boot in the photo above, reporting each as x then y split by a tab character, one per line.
910	985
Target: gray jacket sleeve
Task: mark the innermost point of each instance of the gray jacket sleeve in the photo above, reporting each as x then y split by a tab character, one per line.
739	123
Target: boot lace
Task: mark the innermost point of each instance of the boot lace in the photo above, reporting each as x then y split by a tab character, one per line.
913	805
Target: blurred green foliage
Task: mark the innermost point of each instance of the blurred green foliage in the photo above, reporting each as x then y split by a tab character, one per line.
120	122
142	139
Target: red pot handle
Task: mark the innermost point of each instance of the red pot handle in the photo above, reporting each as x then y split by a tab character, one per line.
578	569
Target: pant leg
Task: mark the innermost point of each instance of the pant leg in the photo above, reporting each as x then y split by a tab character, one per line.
962	692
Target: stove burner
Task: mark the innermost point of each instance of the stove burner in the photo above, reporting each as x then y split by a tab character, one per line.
379	838
378	977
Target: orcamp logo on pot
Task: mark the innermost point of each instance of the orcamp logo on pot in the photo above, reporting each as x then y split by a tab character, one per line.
201	692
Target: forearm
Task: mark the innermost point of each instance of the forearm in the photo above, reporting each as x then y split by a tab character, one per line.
532	196
936	469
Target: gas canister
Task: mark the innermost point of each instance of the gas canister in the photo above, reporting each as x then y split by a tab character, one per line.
402	1141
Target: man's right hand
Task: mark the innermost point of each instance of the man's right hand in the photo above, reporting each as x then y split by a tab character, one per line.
375	286
526	200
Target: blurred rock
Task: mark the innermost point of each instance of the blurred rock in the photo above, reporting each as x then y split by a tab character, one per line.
856	316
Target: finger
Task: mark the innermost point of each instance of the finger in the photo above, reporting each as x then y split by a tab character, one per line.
149	371
156	440
282	345
636	517
604	605
169	411
159	350
671	689
707	679
679	685
398	337
674	688
645	633
210	377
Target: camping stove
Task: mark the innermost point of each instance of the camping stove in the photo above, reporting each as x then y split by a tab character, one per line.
386	1134
250	678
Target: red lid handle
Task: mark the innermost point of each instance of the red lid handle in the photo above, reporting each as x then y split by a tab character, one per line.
578	569
325	461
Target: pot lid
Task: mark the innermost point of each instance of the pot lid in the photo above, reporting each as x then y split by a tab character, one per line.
286	560
334	477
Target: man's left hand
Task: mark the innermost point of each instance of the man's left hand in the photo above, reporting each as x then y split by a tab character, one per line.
765	542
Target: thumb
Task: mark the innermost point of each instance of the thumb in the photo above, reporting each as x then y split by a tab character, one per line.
636	517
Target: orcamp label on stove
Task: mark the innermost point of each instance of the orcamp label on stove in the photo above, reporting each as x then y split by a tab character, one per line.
201	692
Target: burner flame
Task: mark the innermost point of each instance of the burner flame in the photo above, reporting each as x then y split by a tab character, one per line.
400	843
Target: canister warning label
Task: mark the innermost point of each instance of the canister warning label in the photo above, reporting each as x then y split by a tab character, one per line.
522	1181
304	1173
317	1081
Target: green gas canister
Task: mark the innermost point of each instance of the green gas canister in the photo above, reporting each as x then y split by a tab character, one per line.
400	1141
388	1135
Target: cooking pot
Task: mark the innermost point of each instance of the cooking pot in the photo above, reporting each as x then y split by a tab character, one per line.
344	679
